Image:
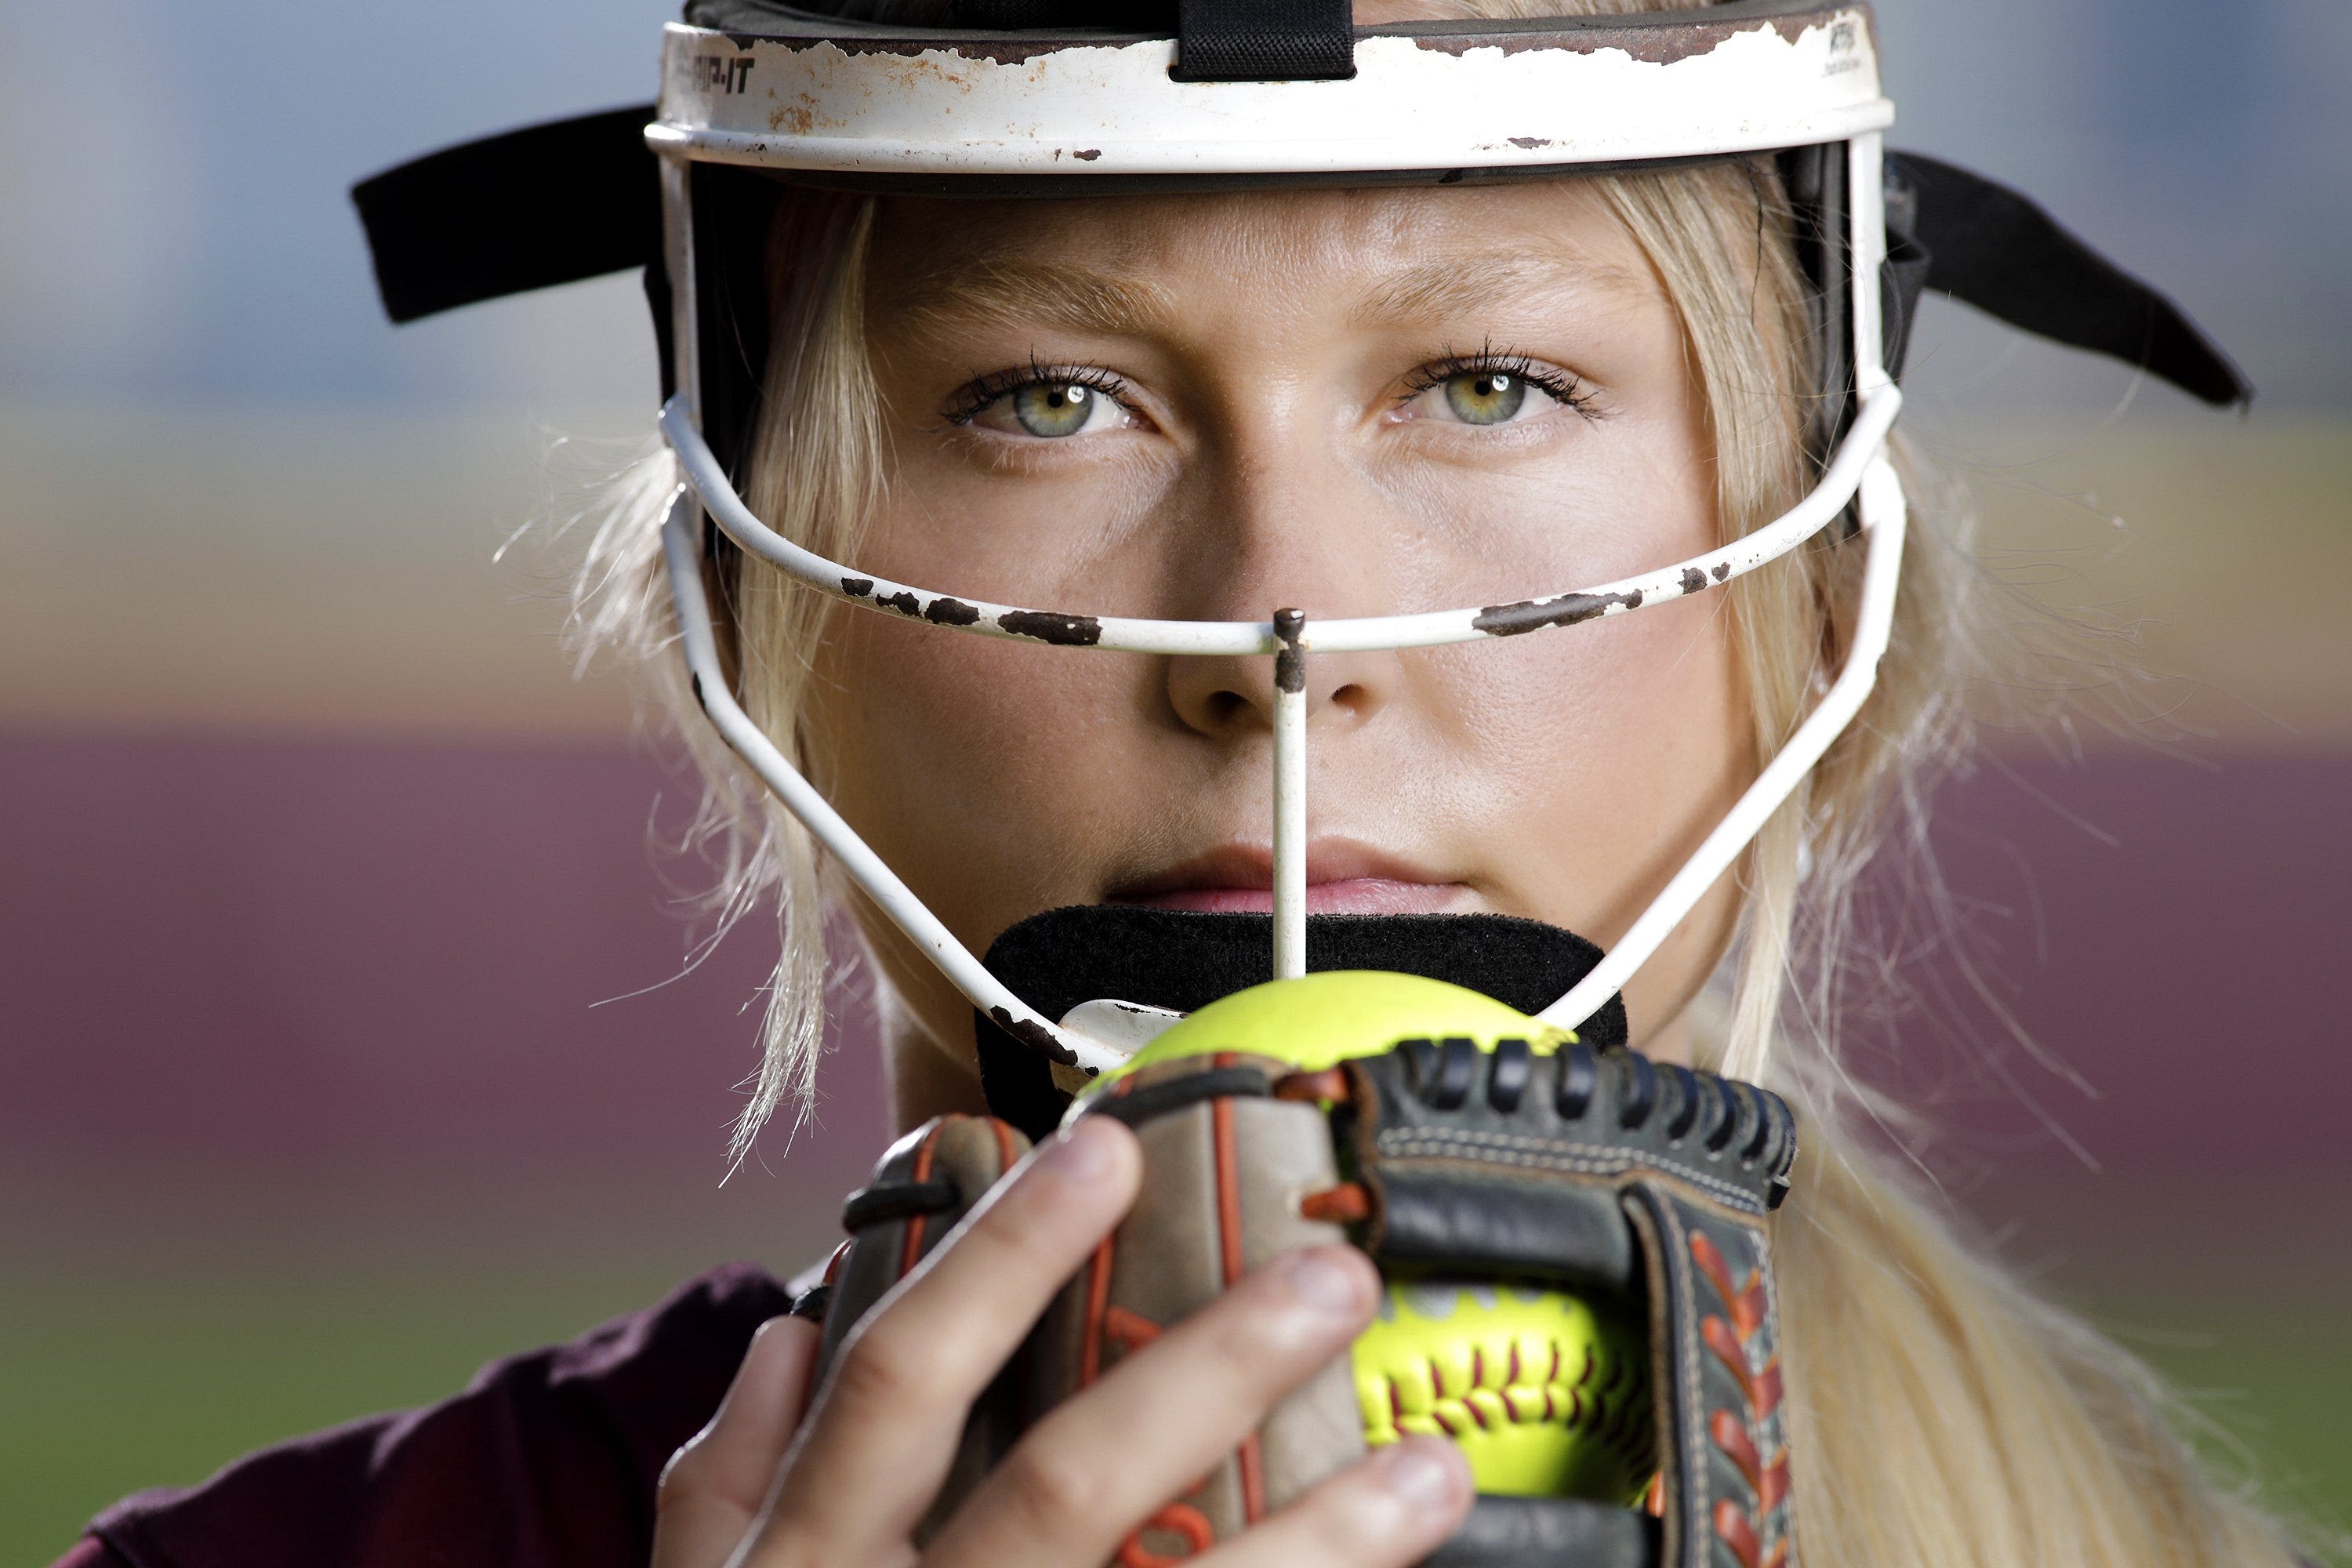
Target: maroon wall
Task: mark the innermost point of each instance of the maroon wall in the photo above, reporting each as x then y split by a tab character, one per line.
266	986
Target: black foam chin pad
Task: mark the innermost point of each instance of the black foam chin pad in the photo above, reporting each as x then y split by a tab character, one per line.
1183	960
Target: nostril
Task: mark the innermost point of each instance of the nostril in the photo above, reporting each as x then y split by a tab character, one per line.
1223	708
1357	699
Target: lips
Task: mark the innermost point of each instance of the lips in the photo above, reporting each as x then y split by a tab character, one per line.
1342	879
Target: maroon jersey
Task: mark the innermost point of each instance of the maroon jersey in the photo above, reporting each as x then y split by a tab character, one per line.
548	1460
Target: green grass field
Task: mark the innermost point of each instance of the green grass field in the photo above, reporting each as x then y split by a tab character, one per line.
106	1392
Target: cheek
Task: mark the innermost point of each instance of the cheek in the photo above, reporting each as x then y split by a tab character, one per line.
1041	529
1640	694
976	768
1620	741
1607	751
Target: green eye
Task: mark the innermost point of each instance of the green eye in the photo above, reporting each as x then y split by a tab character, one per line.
1486	397
1055	408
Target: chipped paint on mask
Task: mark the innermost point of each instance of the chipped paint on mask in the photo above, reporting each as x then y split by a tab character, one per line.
1290	659
1535	615
1035	1038
1450	97
1044	626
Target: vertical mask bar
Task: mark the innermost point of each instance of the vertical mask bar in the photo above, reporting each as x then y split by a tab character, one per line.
678	229
1867	199
1291	794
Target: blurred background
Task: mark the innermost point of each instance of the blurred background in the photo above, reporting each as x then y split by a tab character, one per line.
344	1036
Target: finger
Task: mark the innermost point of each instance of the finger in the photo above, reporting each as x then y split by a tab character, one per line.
884	1431
711	1490
1083	1478
1392	1508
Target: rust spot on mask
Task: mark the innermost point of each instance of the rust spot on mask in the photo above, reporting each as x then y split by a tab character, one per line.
1535	615
1034	1036
1290	659
1068	631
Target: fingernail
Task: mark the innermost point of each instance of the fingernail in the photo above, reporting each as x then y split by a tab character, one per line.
1426	1476
1080	1154
1330	1282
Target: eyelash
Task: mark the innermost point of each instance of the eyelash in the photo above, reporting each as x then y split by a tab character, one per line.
1563	387
974	397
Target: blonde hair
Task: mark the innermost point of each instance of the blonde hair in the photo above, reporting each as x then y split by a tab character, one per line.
1940	1412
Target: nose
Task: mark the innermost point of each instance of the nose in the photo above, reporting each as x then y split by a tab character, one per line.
1220	696
1289	530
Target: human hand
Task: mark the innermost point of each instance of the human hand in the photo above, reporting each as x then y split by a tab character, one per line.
773	1483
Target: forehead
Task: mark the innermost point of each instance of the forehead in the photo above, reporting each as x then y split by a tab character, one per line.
1394	243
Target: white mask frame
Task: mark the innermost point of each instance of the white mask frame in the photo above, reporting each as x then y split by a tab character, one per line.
1794	78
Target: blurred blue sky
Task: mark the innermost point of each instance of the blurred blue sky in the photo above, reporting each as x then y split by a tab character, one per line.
177	228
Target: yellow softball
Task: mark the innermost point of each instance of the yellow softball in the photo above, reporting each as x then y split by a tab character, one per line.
1323	1018
1547	1394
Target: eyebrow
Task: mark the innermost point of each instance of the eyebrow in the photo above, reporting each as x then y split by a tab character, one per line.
1079	298
1489	282
1031	293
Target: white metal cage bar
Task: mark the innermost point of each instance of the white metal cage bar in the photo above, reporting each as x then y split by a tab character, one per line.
682	557
1290	705
1858	474
1435	628
1884	520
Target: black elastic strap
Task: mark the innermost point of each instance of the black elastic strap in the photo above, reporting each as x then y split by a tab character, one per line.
1176	1093
1900	282
545	205
1998	250
897	1200
1265	40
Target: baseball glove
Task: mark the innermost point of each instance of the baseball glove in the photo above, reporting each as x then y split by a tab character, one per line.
1580	1287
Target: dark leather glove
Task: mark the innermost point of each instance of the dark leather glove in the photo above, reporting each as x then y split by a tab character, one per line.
1593	1171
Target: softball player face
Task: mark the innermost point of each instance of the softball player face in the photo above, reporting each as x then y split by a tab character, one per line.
1356	403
